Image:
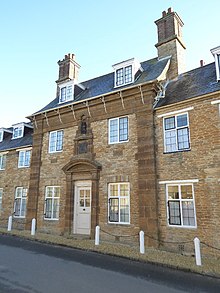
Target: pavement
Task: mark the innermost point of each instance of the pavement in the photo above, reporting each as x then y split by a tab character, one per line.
210	264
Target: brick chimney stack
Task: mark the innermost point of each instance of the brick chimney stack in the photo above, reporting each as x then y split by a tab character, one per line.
170	42
68	69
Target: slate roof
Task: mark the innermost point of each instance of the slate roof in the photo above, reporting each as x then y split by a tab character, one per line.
194	83
102	85
8	143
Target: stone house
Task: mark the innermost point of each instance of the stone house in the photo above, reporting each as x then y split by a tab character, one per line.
135	149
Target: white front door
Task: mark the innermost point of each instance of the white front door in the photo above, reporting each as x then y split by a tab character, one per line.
82	211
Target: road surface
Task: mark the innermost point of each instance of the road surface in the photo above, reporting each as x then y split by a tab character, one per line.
32	267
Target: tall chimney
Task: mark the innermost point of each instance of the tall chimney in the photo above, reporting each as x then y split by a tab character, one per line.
170	42
68	69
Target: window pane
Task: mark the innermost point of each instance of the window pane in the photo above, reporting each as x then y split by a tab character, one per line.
69	91
17	207
48	208
2	162
128	74
173	192
188	213
119	77
182	120
183	138
170	141
49	192
21	159
24	192
52	141
114	130
174	213
56	191
124	210
113	210
87	198
55	209
63	94
114	190
59	140
123	129
18	192
23	207
81	198
186	192
124	190
27	158
169	123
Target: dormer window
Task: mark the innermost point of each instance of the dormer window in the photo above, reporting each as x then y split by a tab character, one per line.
4	132
216	53
125	72
66	92
124	75
18	131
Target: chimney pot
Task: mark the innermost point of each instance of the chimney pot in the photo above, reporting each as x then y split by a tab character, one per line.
164	13
202	63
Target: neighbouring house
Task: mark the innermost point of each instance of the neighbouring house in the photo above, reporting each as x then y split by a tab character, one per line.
135	149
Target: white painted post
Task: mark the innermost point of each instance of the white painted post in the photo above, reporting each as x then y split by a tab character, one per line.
97	232
197	251
33	226
141	236
9	223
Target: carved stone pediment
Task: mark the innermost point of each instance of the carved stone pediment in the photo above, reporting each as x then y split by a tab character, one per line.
81	165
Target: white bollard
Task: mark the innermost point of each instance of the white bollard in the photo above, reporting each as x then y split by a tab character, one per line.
141	236
197	251
9	223
33	226
97	232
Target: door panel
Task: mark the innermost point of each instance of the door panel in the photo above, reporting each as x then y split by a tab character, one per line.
82	213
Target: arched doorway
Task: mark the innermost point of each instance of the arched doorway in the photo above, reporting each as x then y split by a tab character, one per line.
82	196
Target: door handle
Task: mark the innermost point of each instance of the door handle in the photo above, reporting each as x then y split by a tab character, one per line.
84	209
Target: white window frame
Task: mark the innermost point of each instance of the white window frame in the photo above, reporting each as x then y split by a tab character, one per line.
118	130
122	76
69	96
119	198
55	149
24	158
181	201
2	161
1	195
55	202
21	197
133	65
18	131
1	135
176	132
216	54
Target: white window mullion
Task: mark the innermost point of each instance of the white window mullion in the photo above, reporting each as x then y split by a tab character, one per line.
181	207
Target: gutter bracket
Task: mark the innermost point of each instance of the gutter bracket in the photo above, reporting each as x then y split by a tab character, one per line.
142	96
122	101
103	101
45	115
58	112
87	105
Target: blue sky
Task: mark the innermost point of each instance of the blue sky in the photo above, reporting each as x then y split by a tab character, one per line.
35	34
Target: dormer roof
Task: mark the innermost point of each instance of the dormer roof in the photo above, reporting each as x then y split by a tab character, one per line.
26	140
